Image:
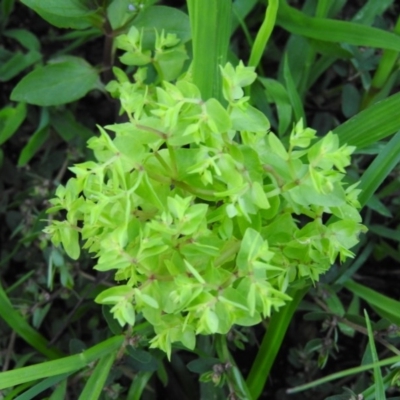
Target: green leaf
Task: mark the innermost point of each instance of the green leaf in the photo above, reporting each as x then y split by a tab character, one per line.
114	294
56	84
19	325
379	169
67	8
67	126
271	344
160	18
333	302
345	373
36	141
351	100
24	37
375	299
331	30
375	123
201	365
293	92
142	356
112	323
249	119
278	94
95	385
61	366
171	62
17	63
209	19
219	120
42	386
379	387
371	10
6	8
60	392
139	384
10	120
70	240
277	147
62	14
119	12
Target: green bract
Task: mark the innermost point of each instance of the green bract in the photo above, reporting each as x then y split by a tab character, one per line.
205	215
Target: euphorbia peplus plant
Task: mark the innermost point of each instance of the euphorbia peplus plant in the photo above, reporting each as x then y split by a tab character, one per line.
205	216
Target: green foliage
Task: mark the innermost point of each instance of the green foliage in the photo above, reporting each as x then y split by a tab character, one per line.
198	207
63	81
207	220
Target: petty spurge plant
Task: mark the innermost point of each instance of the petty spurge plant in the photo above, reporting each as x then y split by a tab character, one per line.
202	208
204	214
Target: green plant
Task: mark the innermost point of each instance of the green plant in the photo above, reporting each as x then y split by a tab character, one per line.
199	210
323	70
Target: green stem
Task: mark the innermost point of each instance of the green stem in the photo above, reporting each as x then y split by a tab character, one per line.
272	342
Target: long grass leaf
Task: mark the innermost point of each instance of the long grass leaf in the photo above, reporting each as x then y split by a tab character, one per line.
264	33
383	72
333	30
18	324
138	385
369	394
271	344
41	387
61	366
379	387
376	123
293	93
60	391
379	169
376	299
95	385
370	10
211	28
343	374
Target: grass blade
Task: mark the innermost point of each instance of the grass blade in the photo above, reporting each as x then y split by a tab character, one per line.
271	344
97	380
336	31
376	300
41	387
264	33
293	93
19	325
377	122
62	366
383	72
211	28
138	385
379	387
60	391
379	169
343	374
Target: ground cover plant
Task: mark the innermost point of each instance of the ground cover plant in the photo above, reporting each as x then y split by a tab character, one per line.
200	200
